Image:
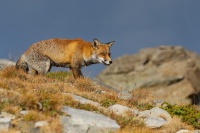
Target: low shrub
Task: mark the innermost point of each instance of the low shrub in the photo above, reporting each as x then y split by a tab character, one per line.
188	113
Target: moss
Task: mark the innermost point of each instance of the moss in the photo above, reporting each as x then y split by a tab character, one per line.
188	113
107	102
58	75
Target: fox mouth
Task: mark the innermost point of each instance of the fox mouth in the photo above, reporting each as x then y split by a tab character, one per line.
106	64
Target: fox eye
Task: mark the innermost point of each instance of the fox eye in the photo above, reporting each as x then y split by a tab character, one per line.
109	54
103	54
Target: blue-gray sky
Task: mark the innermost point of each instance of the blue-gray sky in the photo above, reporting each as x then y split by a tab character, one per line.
133	24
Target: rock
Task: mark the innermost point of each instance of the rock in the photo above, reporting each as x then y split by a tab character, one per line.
192	74
144	114
82	100
154	122
81	121
184	131
124	95
122	110
155	117
41	124
5	63
99	92
143	69
161	69
7	115
98	83
158	112
24	112
196	131
158	103
4	124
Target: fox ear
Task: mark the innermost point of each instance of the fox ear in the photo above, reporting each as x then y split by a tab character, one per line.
95	43
110	43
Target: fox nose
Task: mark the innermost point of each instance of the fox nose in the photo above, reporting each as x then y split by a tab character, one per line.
110	62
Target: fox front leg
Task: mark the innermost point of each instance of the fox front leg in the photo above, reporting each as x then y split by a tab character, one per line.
76	72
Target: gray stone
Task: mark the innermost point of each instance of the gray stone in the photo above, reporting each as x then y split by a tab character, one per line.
81	121
24	112
158	103
5	63
144	114
184	131
84	100
155	117
196	131
155	112
41	124
158	112
145	68
124	95
7	115
154	122
4	124
122	110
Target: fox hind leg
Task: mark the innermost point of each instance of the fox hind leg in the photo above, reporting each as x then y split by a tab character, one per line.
76	72
39	63
43	66
32	71
46	66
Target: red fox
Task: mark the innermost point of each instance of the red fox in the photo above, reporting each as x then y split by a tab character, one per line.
73	54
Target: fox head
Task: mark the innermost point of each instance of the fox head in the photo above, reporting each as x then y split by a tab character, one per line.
101	52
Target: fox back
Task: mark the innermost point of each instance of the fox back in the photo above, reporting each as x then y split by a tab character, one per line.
73	54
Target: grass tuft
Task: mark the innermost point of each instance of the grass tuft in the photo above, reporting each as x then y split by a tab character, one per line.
58	75
33	116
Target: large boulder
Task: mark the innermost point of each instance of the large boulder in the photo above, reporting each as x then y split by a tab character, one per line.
81	121
162	68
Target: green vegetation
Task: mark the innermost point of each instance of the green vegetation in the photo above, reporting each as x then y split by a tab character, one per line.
142	106
58	75
107	102
188	113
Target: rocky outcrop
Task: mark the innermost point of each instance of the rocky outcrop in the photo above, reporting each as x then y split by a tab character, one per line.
155	117
122	110
5	63
81	121
160	68
4	124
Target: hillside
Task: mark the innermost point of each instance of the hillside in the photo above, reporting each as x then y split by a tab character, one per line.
57	103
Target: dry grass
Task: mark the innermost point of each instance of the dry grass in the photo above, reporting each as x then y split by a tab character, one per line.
54	126
33	116
135	130
11	109
11	131
172	127
43	95
175	125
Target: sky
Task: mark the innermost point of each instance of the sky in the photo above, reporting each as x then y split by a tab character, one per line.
132	24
